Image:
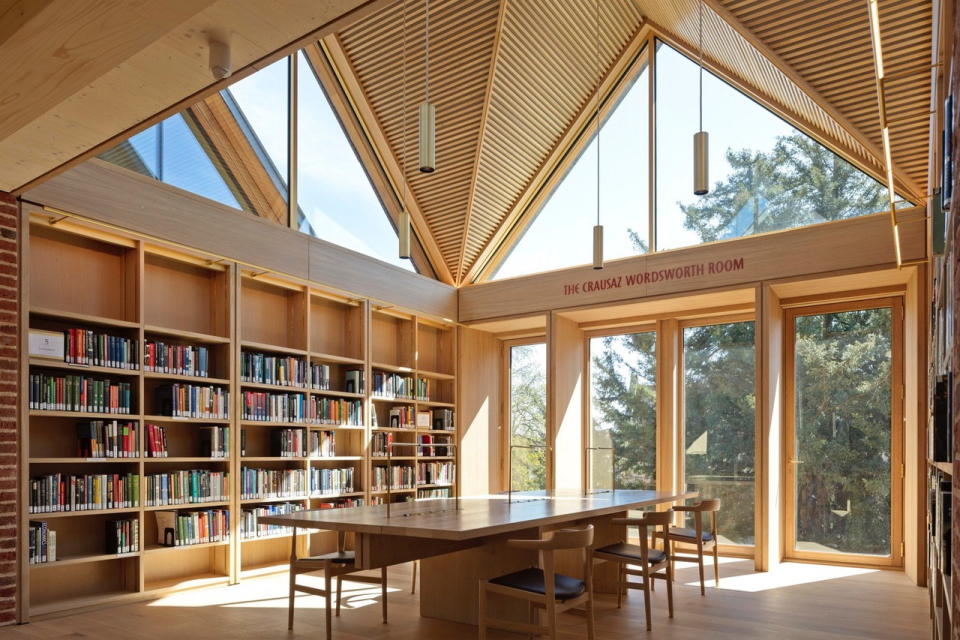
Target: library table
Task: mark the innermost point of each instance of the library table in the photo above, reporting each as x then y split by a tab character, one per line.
462	544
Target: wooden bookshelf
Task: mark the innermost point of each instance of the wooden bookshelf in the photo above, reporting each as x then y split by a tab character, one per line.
144	291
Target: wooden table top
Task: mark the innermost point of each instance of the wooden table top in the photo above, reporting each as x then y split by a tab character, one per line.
478	516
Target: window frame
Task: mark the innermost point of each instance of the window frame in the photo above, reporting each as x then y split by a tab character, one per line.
506	433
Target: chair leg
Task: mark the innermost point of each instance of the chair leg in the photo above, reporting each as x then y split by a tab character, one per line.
703	589
621	587
716	565
531	617
482	612
413	583
339	590
293	584
326	597
383	592
646	601
590	629
552	619
670	591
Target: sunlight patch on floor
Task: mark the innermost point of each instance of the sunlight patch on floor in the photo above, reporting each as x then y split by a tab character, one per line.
788	574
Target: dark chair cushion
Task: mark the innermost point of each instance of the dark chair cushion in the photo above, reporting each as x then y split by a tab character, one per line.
689	533
532	580
339	557
633	552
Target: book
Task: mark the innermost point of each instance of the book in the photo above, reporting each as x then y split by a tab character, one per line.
214	441
353	381
193	401
103	439
177	359
288	443
263	368
122	536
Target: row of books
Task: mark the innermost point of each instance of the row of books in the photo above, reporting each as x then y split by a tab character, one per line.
83	492
214	441
296	442
402	417
186	486
400	476
92	348
378	445
393	385
261	406
434	445
177	359
435	473
123	536
263	484
323	444
262	368
42	543
325	481
182	528
941	520
194	401
441	492
940	433
53	392
107	439
250	526
443	419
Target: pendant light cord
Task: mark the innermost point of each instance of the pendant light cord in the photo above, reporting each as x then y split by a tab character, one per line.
701	64
403	111
426	50
597	99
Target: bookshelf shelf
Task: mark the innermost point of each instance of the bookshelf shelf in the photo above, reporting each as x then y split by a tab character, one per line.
191	505
156	418
439	405
434	486
84	513
945	467
84	559
224	308
82	368
273	500
83	318
153	375
191	336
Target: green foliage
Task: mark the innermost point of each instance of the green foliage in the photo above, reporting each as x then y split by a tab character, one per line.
843	431
528	415
799	182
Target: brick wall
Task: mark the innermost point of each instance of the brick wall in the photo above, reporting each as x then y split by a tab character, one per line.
954	263
9	382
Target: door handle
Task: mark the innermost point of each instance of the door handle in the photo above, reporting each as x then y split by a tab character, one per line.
795	461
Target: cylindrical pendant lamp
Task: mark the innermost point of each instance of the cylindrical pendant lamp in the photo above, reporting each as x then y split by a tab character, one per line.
428	138
701	163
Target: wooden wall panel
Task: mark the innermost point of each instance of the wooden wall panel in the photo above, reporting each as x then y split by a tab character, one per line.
770	337
565	367
480	411
834	246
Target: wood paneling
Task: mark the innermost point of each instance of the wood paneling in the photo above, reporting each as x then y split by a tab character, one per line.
127	200
822	248
565	367
479	411
116	67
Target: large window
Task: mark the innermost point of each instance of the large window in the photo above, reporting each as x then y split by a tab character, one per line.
556	237
843	442
719	404
623	410
528	416
765	175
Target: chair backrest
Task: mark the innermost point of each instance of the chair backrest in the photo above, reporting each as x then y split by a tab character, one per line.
560	539
707	505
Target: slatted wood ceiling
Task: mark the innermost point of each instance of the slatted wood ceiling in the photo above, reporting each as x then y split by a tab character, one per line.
509	77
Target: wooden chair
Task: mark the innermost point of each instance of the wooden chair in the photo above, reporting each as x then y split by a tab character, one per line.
334	565
696	536
541	586
653	563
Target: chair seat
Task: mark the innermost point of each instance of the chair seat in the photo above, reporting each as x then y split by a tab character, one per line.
633	552
565	587
690	534
339	557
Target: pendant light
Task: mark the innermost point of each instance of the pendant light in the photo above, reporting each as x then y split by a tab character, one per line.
701	142
403	224
428	113
598	228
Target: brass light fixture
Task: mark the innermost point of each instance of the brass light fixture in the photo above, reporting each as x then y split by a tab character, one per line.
701	142
428	113
598	228
403	222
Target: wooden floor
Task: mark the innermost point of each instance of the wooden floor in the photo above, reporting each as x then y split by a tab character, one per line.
801	601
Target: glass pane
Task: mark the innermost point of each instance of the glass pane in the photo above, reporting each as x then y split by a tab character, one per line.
175	152
623	410
528	416
719	399
843	418
765	175
561	234
259	104
336	200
